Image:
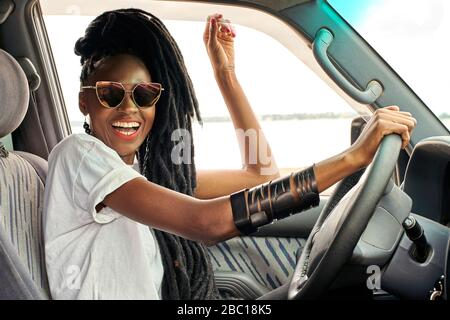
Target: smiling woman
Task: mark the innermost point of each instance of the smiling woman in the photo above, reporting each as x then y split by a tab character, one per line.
131	121
116	126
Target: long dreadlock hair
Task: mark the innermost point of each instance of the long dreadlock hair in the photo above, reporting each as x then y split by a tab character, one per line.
187	267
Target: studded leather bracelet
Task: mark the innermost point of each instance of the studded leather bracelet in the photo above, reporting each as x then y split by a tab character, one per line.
275	200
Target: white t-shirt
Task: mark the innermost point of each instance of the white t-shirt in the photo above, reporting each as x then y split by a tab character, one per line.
92	255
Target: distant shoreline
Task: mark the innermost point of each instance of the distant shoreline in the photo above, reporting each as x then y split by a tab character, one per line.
276	117
284	117
292	116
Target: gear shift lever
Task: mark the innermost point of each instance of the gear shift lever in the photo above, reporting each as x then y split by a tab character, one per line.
415	233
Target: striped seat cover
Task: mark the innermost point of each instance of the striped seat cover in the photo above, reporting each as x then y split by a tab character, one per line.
269	260
21	204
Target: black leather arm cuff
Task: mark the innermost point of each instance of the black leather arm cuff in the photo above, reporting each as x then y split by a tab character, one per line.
274	200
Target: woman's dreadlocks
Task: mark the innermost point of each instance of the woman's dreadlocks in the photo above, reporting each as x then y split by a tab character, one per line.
187	267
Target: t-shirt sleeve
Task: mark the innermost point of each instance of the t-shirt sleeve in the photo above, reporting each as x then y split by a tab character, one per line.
100	171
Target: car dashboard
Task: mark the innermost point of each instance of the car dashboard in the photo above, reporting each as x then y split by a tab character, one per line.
427	182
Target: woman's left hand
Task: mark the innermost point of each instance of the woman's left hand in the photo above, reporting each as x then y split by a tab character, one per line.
385	121
219	42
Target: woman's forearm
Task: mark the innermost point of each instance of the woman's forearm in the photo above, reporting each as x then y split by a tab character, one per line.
208	221
257	156
334	169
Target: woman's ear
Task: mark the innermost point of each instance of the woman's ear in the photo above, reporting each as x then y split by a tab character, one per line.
82	103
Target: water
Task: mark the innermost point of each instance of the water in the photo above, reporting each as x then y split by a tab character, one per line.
294	143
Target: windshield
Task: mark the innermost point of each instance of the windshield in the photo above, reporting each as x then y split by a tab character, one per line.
413	37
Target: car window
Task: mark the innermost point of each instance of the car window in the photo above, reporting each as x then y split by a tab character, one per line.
302	126
7	142
412	36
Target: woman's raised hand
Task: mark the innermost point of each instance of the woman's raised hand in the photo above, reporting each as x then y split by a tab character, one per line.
384	121
219	41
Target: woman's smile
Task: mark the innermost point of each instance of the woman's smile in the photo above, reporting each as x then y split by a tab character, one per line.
127	130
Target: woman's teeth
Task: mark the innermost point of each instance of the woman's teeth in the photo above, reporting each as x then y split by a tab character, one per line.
126	128
126	124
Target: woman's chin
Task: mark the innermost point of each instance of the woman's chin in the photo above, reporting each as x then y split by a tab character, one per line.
127	155
126	151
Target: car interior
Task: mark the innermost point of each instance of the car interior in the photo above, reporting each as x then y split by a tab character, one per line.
383	234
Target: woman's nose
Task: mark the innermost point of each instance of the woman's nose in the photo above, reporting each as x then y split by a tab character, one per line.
128	103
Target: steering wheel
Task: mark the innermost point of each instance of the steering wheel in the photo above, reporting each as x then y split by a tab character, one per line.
334	236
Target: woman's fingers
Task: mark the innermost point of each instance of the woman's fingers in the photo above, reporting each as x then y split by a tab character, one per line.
406	116
216	16
395	110
391	114
213	31
401	119
392	120
389	127
222	27
385	121
226	28
207	32
233	30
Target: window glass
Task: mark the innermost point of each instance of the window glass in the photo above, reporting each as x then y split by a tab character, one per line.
413	37
301	125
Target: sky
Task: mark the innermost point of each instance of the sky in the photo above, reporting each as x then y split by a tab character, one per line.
412	36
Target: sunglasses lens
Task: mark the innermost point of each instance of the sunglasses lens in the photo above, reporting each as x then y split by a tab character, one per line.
110	94
146	95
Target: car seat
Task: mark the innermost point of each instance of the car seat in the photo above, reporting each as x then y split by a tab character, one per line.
22	178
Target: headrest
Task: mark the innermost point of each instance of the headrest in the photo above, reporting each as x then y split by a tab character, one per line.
14	94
